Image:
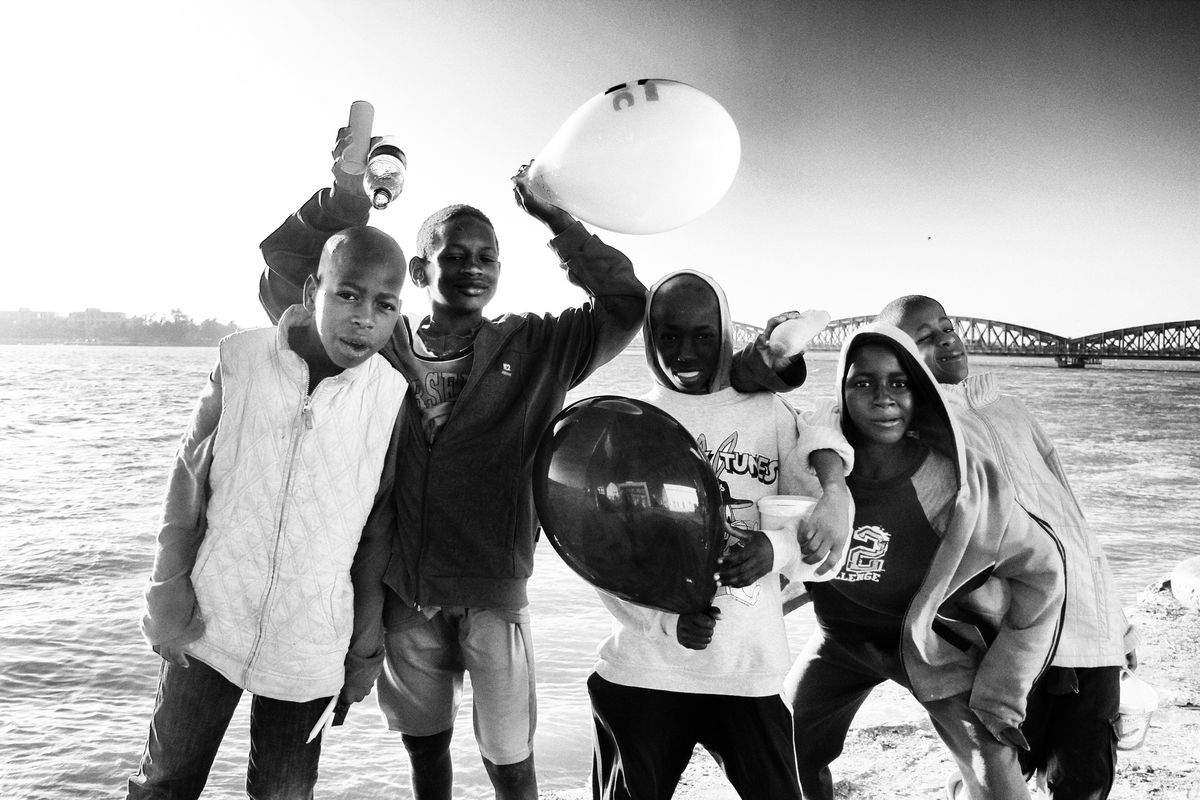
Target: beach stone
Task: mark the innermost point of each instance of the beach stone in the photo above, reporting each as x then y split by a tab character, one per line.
1185	583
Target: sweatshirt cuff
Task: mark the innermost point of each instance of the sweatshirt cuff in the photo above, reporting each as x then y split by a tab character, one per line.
345	206
1002	731
1132	638
749	373
818	437
171	612
784	547
570	241
363	671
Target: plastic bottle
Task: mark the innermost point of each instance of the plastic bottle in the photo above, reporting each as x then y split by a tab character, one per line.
384	178
793	335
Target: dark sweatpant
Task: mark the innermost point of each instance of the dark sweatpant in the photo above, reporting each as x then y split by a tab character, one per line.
644	739
829	682
1069	725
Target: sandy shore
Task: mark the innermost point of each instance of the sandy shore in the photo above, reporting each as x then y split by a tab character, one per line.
892	752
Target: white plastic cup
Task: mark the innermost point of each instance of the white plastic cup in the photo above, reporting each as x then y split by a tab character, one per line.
783	511
1138	702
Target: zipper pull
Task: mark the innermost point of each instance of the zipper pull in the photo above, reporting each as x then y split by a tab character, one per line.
306	413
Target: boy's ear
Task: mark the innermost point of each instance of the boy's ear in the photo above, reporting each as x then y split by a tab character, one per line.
310	293
416	269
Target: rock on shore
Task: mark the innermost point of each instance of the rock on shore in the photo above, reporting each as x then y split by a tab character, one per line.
892	752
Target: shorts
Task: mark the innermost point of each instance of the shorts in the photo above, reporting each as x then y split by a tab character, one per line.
420	689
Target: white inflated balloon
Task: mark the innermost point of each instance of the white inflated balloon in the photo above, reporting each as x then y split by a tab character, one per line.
642	157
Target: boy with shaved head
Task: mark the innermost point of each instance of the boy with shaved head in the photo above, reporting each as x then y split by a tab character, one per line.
263	580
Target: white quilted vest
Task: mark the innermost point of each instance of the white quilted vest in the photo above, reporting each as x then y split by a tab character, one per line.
293	479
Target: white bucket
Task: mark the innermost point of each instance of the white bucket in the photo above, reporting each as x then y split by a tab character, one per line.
783	511
1138	702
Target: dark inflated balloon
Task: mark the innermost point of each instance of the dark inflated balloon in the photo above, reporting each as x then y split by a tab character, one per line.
630	503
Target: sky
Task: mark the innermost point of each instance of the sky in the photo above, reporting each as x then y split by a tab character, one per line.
1033	162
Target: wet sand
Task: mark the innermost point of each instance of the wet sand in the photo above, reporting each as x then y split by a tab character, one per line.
892	752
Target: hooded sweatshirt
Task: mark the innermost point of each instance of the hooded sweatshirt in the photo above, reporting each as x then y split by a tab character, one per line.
986	615
1095	631
757	446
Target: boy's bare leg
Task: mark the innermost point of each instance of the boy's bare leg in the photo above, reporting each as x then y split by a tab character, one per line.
429	760
513	781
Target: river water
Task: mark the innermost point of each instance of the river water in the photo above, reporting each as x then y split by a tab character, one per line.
87	435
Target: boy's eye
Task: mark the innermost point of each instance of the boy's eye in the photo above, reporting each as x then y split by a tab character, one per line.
344	295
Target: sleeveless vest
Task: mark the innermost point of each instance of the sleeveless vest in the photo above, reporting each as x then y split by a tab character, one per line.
293	479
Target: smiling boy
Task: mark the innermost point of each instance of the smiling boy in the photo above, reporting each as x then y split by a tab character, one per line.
664	681
950	588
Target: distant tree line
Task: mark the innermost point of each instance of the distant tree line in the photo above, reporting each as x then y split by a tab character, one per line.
175	328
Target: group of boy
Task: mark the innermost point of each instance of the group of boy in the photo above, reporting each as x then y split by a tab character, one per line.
352	505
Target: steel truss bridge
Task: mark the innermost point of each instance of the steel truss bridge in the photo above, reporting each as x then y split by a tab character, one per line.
1160	341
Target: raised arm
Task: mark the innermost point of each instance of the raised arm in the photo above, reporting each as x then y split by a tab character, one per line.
759	367
293	250
604	272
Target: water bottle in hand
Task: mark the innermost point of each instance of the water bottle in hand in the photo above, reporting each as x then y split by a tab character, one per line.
384	178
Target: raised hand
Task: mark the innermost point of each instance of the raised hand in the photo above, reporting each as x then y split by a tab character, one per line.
553	217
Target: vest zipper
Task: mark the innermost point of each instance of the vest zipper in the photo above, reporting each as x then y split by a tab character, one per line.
304	422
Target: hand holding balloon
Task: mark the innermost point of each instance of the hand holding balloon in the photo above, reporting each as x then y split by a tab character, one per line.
750	558
695	630
547	213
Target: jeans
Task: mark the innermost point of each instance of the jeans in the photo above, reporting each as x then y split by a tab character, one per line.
193	710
